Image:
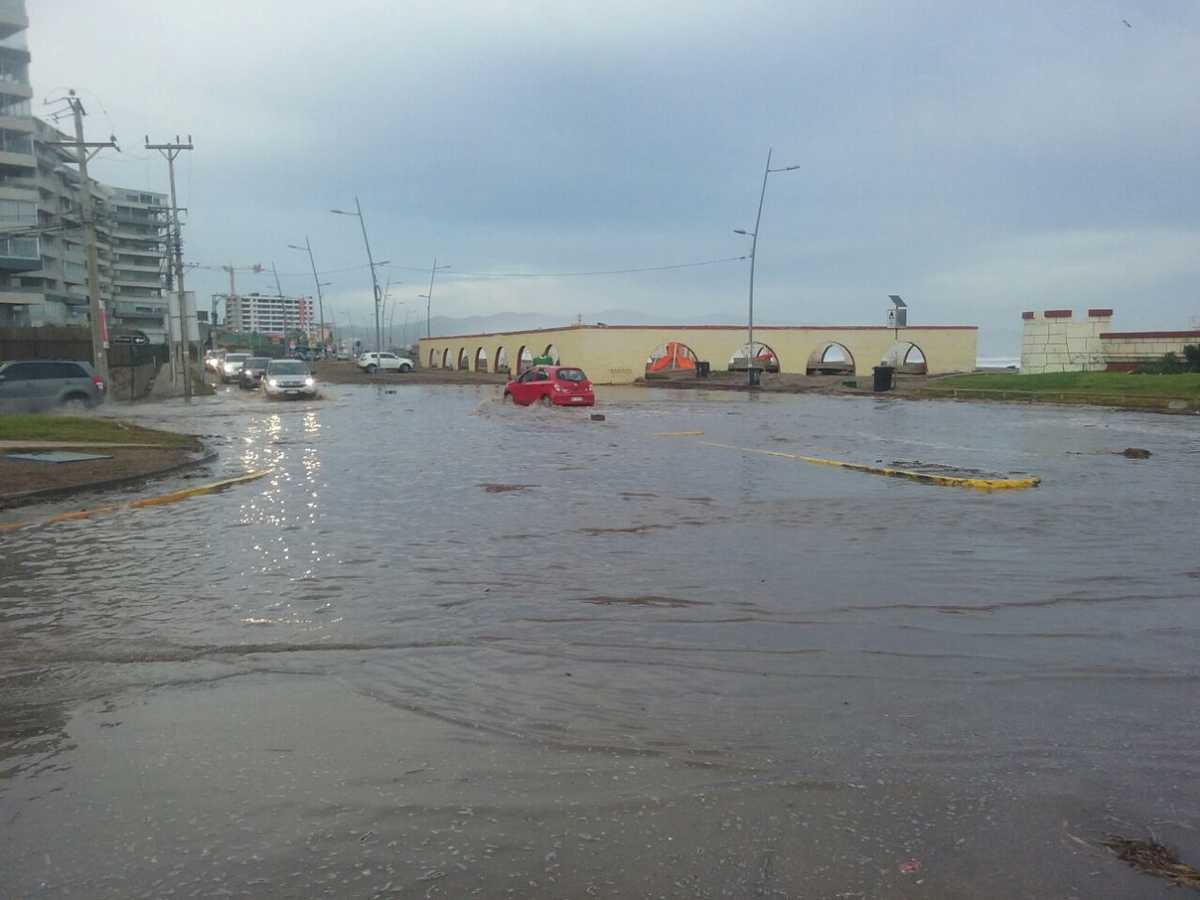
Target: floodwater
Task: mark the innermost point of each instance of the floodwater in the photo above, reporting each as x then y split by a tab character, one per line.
451	649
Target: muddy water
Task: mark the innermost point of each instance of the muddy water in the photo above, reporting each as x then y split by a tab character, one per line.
450	648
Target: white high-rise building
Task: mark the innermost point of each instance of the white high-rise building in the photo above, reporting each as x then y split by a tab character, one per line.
270	314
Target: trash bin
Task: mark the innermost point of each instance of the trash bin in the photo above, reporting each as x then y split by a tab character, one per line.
883	378
701	369
755	377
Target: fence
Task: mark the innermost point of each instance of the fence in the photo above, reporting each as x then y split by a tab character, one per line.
46	342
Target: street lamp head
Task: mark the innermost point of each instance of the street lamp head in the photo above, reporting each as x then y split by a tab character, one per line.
342	212
294	247
743	231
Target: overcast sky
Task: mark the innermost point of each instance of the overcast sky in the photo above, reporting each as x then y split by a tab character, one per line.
977	159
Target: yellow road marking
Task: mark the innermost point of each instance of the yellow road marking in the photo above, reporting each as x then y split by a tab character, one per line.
161	499
176	496
983	484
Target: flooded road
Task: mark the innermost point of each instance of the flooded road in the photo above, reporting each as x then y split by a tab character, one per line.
451	648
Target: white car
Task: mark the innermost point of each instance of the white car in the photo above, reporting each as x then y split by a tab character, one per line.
389	362
231	366
288	378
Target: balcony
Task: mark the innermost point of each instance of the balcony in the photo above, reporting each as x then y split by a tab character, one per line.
139	309
12	18
21	254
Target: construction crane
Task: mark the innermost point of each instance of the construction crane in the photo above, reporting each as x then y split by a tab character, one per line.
231	270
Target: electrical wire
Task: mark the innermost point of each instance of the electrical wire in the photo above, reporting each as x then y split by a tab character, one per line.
484	275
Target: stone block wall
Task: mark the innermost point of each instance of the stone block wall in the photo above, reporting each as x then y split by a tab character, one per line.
1055	341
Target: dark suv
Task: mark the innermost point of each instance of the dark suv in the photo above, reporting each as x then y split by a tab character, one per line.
37	384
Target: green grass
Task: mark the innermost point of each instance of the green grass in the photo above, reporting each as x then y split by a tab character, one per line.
43	427
1097	384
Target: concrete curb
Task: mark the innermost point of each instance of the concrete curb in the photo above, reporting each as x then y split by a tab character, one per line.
25	498
159	500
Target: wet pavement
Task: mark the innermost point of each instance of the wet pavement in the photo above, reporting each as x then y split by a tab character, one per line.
451	648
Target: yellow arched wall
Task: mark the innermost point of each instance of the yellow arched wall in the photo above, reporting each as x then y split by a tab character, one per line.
618	354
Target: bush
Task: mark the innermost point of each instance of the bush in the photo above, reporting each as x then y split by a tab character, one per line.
1171	364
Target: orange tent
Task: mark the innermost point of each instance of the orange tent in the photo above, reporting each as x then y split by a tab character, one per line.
678	356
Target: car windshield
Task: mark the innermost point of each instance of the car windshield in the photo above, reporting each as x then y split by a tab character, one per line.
257	362
571	375
236	357
287	367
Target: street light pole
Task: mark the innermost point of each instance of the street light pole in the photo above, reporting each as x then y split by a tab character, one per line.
767	170
320	299
429	297
374	280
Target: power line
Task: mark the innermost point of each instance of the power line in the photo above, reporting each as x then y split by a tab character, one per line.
596	272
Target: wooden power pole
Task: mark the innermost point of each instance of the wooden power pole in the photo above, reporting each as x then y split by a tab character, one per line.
170	151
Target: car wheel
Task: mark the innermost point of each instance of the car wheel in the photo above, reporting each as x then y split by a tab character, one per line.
405	369
546	402
371	369
76	403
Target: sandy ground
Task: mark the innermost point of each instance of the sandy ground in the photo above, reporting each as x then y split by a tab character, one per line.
348	373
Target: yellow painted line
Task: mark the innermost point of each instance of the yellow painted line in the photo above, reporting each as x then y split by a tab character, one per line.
678	433
983	484
161	499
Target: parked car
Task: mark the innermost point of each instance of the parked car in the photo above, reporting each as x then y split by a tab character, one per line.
551	386
343	355
389	362
213	360
288	378
37	384
231	366
251	374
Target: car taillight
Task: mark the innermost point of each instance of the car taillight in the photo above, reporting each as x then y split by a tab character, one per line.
96	380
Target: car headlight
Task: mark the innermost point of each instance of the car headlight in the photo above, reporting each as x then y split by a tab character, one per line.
272	382
309	381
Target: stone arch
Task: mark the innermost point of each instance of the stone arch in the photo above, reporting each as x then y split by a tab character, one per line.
831	358
524	359
501	364
552	352
764	358
464	360
432	363
481	360
908	358
669	358
446	358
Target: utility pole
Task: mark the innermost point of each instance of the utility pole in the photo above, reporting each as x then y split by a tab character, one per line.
96	310
169	152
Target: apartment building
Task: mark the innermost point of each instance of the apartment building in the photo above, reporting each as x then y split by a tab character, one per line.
269	314
20	249
43	262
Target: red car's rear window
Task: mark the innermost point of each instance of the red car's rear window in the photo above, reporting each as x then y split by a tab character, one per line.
571	375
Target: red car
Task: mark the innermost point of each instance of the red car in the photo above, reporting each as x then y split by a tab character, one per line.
551	386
